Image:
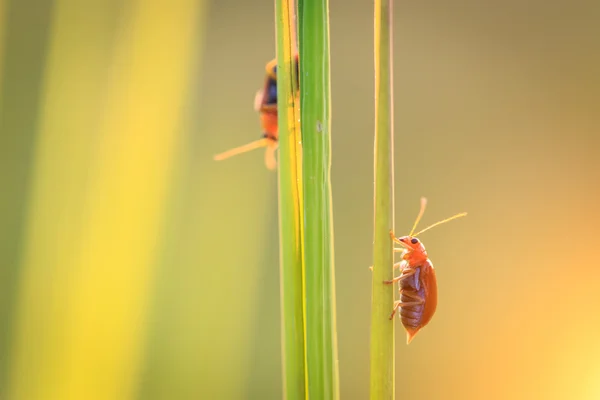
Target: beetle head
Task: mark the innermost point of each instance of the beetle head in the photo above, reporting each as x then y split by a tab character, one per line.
415	251
411	243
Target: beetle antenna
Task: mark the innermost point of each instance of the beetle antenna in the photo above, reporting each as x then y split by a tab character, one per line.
421	211
264	142
441	222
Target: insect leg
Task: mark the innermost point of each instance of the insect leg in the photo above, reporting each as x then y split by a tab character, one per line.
270	160
405	274
397	265
258	99
399	303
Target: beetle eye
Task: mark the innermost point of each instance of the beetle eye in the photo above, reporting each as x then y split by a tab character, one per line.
414	241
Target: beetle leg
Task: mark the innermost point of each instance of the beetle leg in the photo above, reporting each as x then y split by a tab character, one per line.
395	265
399	303
270	160
258	99
399	249
404	275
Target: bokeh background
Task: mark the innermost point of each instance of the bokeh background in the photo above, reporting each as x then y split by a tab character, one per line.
133	266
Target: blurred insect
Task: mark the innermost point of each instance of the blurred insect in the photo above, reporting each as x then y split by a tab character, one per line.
417	281
265	102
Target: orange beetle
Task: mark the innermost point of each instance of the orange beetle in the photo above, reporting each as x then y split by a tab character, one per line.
417	281
265	102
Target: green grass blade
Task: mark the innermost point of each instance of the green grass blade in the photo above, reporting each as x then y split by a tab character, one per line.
382	329
290	209
321	334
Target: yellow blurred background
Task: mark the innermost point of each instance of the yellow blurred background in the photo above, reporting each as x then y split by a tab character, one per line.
133	266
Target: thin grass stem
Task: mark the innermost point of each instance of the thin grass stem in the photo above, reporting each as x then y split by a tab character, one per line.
382	329
315	114
290	208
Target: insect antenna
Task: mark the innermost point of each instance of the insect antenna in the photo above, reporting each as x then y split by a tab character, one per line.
440	222
264	142
421	211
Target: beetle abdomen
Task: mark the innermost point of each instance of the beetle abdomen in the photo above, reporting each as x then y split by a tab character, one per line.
421	285
412	289
412	315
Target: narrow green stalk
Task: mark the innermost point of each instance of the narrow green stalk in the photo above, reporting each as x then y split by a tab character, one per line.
290	209
321	333
382	329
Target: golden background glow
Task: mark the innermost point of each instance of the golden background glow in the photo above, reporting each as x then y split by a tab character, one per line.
134	266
